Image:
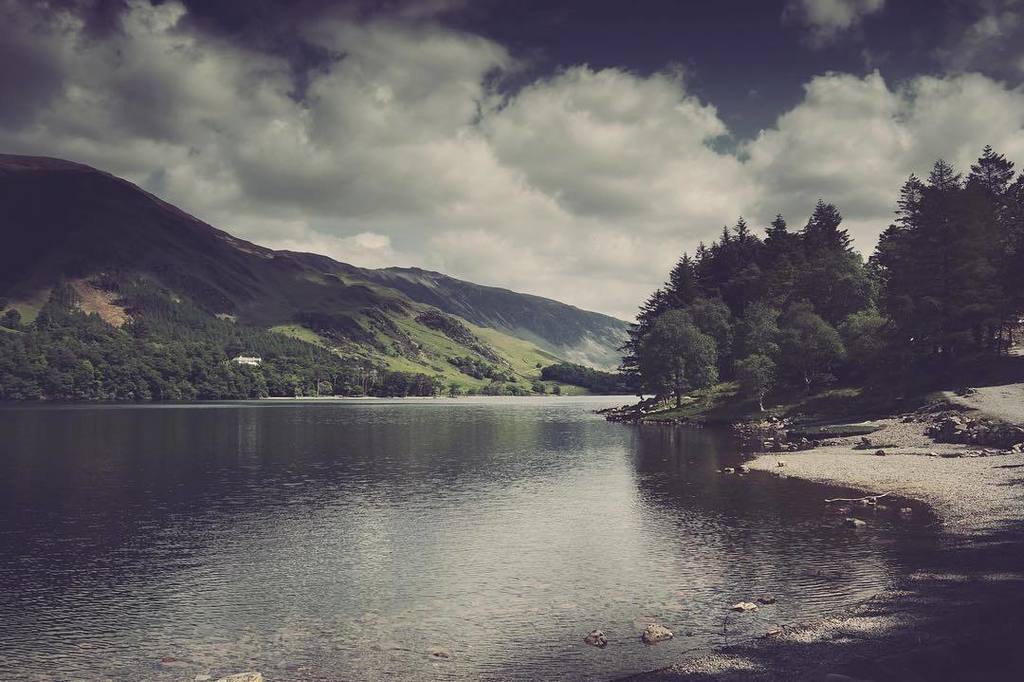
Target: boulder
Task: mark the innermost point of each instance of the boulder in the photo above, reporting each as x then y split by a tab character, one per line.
781	463
854	523
242	677
743	469
744	606
596	638
654	633
728	470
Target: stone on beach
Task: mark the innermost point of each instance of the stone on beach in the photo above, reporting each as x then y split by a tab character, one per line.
654	633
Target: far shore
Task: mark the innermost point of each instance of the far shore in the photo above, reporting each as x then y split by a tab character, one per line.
958	617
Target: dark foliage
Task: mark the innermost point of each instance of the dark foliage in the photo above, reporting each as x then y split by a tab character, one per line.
456	331
594	380
942	289
172	350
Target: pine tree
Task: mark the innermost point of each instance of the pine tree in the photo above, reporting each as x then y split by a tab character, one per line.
822	231
682	282
992	174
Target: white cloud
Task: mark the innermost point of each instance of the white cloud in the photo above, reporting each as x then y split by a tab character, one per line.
854	140
584	186
825	20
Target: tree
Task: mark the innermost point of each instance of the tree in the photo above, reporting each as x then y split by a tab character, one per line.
676	356
940	264
11	319
863	336
757	332
822	231
756	374
682	282
810	346
713	317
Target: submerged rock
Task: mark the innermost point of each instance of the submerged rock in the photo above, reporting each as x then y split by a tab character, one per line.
728	470
744	606
854	523
743	469
596	638
766	599
654	633
437	652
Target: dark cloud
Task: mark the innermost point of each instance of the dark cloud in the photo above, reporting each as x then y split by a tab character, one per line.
393	134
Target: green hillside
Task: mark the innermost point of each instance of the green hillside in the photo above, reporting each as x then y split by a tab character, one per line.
98	265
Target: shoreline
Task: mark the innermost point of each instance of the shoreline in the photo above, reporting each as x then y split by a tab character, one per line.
955	616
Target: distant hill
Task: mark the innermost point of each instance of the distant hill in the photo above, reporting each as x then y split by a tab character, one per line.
63	221
580	336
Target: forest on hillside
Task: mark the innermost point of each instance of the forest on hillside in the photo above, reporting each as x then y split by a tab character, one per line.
172	350
799	310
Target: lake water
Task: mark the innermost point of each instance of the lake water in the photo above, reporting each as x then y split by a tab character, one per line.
347	539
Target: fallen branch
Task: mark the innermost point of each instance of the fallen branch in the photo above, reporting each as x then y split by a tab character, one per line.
856	499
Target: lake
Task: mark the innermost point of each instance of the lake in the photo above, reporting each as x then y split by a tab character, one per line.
339	540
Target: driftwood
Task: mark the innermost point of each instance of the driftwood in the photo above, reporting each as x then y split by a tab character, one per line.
856	499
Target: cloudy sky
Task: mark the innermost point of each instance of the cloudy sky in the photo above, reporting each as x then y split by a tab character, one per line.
571	149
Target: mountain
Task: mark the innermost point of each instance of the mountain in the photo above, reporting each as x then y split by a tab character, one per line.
576	335
67	222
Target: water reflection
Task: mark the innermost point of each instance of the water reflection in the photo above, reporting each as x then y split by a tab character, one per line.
345	540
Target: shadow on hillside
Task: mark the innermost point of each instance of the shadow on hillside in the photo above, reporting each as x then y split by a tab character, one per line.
957	617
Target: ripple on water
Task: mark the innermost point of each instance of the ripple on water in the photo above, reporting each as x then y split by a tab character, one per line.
333	541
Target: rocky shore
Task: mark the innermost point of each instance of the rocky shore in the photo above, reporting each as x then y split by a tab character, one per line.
959	615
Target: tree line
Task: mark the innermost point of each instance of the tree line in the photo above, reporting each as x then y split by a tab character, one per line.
173	350
797	310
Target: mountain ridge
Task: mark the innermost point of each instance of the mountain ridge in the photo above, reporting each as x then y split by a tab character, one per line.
69	221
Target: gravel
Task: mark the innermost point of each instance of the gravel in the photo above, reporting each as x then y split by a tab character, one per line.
971	495
955	622
1001	402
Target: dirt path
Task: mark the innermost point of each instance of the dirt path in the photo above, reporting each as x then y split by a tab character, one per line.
1000	402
